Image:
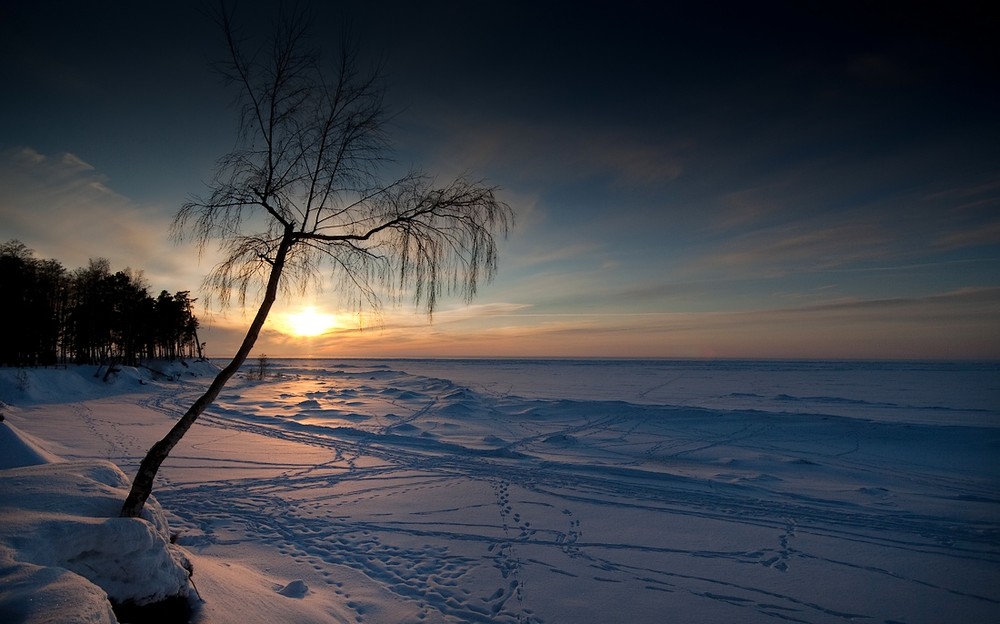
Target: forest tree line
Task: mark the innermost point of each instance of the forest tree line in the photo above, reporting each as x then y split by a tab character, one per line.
89	315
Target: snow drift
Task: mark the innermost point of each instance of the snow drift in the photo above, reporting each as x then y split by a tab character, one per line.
62	544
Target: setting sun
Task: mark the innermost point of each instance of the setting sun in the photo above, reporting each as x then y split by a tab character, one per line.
310	322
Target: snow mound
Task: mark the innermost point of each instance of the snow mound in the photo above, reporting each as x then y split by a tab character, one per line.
61	518
295	589
31	591
54	385
19	449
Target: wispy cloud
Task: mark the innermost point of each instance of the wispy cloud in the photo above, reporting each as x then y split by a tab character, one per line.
954	324
25	156
966	213
801	247
551	152
983	234
968	195
74	162
480	310
65	209
568	252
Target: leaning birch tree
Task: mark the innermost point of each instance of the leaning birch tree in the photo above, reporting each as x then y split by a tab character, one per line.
302	195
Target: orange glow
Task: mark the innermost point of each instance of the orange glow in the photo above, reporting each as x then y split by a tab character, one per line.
308	322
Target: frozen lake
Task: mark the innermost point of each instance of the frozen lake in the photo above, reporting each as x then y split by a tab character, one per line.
931	392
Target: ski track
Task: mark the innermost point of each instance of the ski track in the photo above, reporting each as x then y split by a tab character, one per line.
375	506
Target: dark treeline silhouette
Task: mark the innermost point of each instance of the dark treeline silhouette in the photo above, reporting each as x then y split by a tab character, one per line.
89	315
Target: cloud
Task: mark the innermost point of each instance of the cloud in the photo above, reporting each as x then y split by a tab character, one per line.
65	209
964	215
797	247
963	303
552	152
74	162
570	252
984	234
971	195
26	156
956	324
953	324
481	310
801	221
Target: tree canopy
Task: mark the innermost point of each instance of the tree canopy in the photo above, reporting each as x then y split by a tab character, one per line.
89	315
308	168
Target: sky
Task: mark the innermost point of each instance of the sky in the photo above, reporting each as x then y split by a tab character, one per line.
731	180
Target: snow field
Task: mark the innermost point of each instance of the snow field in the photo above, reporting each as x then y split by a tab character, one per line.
374	492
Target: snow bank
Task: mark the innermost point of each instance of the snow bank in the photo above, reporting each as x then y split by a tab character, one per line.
19	448
64	553
33	593
57	385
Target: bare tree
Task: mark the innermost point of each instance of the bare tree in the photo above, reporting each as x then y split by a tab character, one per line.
301	193
260	372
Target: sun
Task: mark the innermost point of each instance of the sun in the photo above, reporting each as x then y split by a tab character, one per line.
310	322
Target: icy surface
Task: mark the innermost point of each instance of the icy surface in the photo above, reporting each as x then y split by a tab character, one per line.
513	491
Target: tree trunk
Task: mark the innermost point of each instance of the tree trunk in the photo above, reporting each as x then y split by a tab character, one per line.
198	344
142	484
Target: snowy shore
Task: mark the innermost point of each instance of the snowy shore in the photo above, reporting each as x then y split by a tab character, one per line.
558	491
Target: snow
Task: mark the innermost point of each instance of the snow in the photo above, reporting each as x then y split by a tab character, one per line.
64	515
21	449
512	491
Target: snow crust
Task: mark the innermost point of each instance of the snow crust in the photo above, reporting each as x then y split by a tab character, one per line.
516	491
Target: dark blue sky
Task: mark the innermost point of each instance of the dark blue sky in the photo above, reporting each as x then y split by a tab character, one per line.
777	179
